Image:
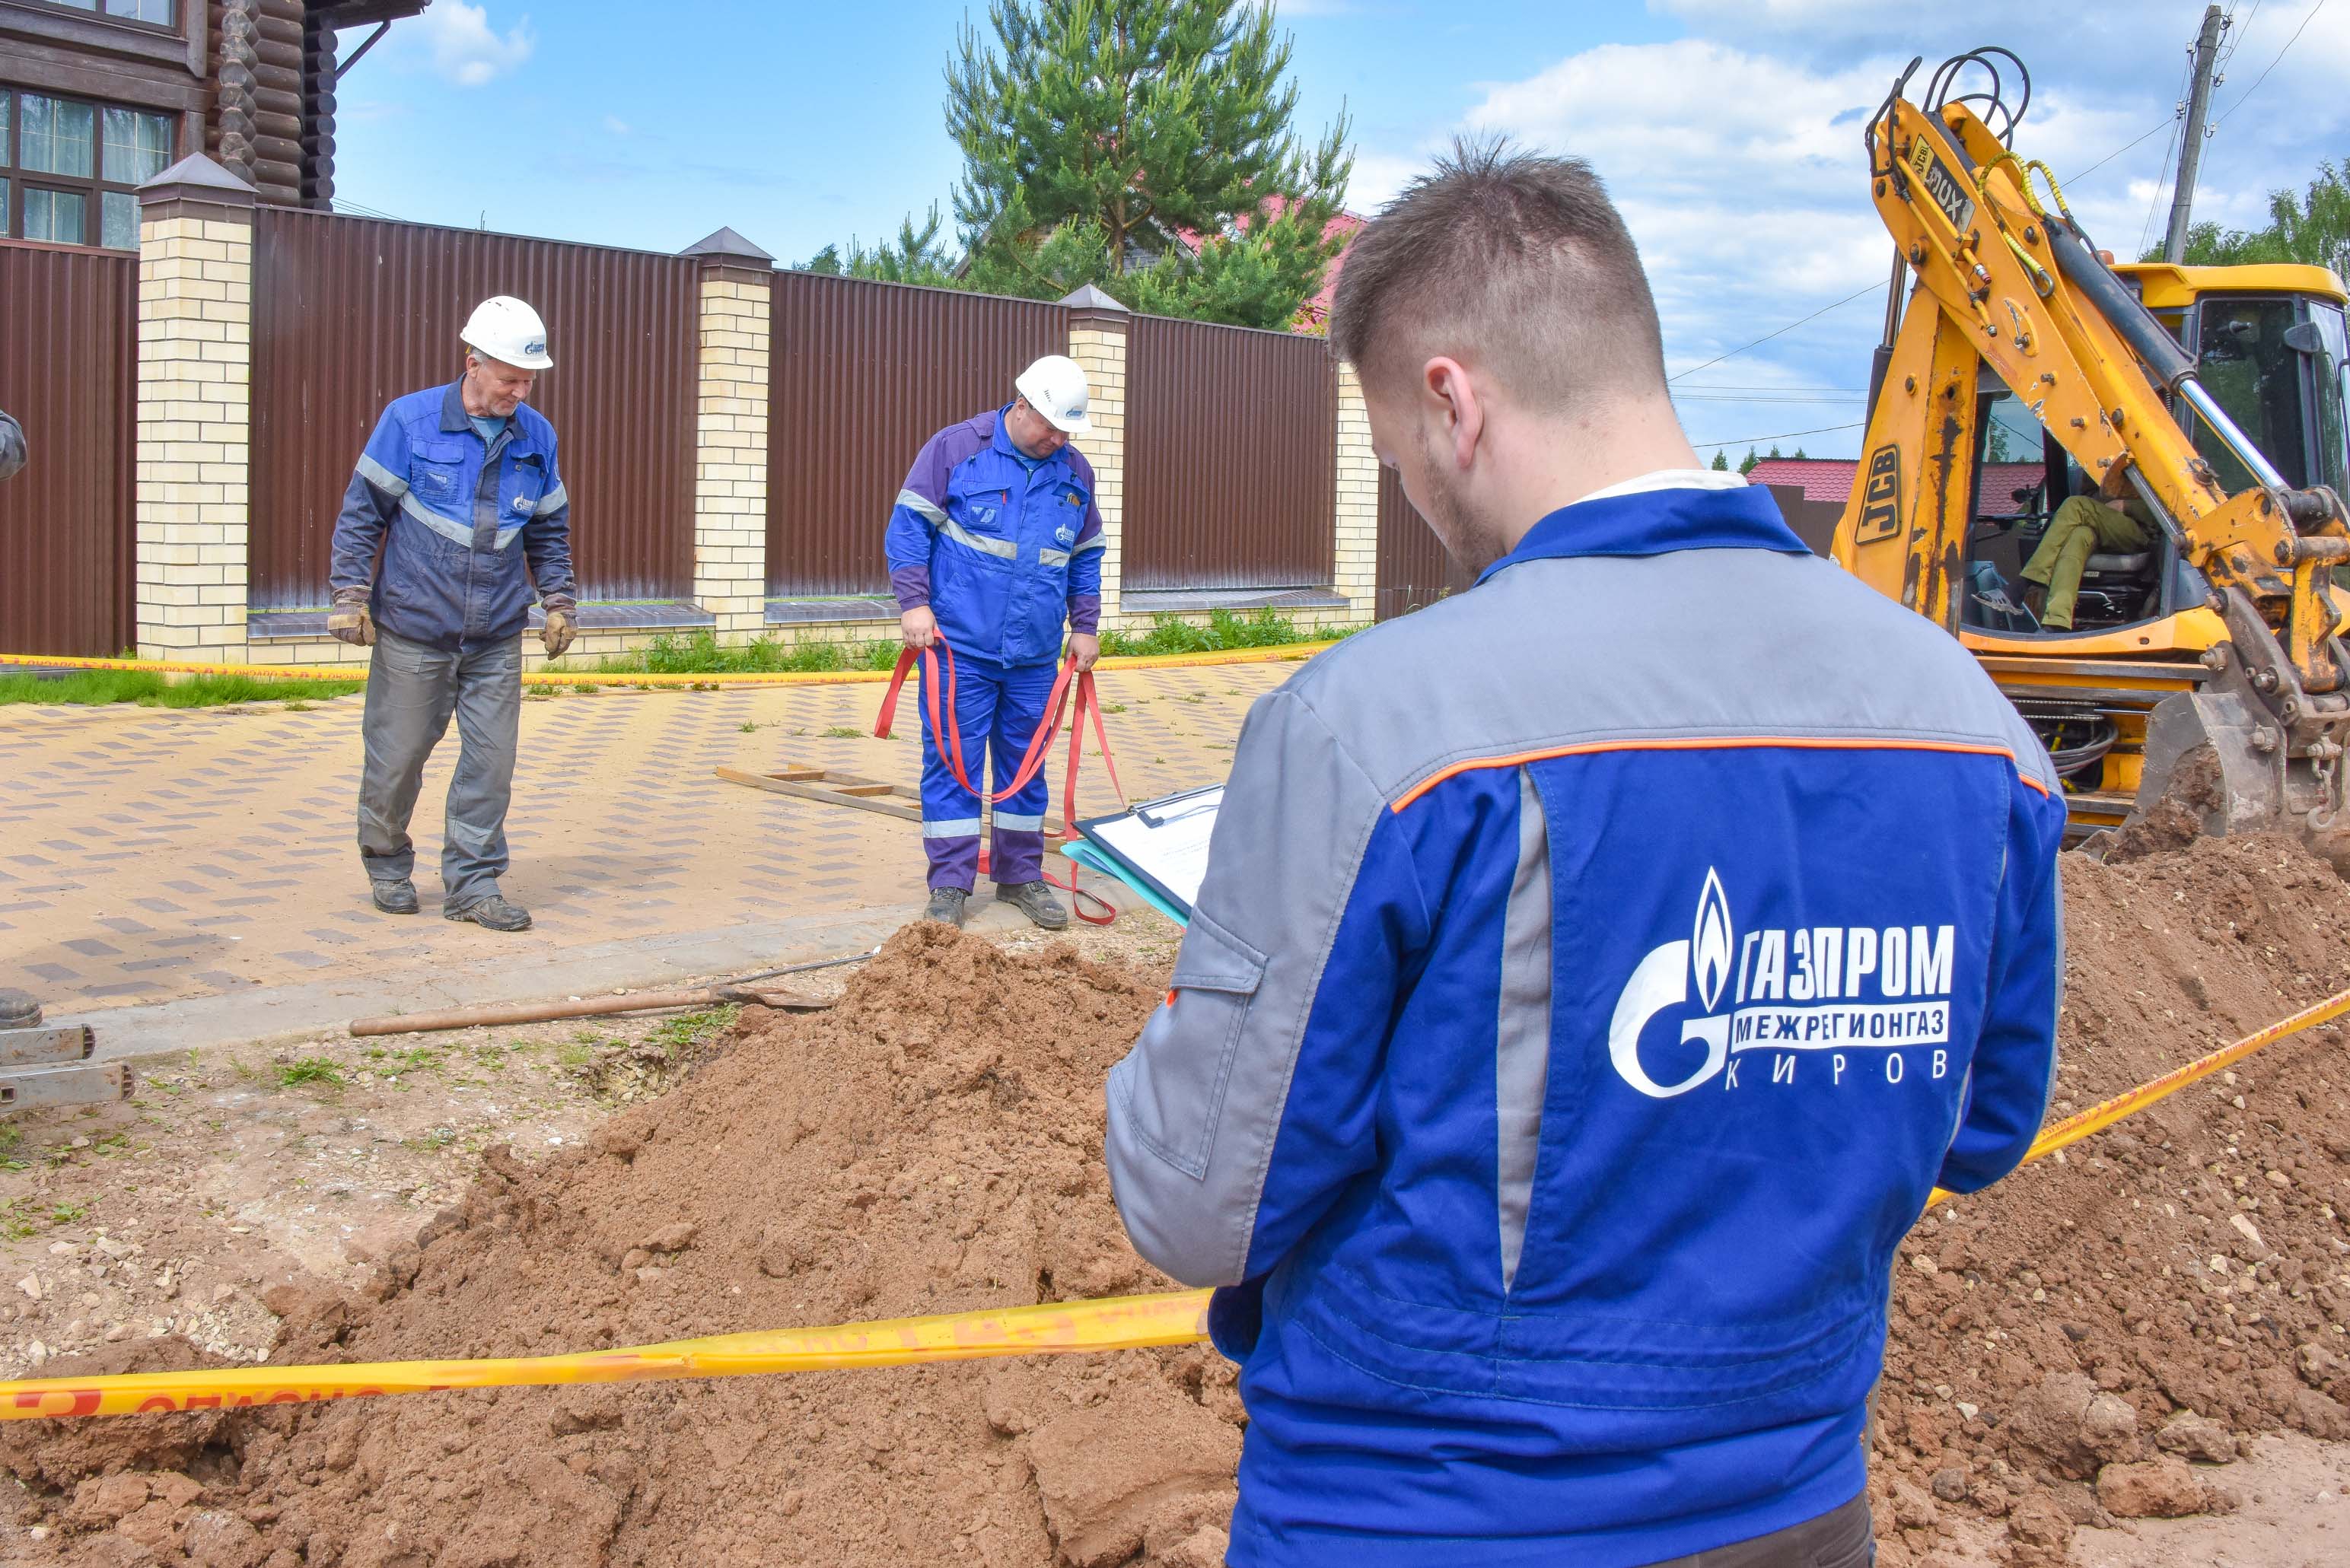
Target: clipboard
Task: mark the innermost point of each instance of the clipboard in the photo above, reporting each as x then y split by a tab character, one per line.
1157	848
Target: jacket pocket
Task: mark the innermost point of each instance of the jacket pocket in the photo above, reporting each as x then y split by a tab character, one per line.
436	473
1176	1110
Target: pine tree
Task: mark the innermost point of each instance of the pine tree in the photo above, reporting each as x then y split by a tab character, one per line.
1143	146
1721	461
826	262
1747	466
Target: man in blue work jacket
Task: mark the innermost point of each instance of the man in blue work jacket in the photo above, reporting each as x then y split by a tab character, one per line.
994	537
459	490
1594	972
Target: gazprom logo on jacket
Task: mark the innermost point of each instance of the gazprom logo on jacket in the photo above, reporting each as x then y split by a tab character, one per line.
1832	988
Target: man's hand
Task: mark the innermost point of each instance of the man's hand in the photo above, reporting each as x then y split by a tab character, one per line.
560	628
1086	647
350	620
918	627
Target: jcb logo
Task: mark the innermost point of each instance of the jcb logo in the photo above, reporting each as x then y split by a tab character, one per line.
1880	499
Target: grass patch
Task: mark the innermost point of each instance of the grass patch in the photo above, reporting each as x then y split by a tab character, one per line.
309	1070
95	688
699	653
1224	632
693	1028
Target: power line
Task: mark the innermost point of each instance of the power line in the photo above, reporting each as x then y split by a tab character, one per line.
2168	119
1783	435
2280	54
1815	316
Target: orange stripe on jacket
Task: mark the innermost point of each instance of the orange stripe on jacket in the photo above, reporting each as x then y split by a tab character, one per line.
1733	743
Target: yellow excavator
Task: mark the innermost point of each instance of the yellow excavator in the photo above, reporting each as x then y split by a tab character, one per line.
2203	686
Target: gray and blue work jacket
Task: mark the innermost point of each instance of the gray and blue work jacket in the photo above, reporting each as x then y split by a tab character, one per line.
448	508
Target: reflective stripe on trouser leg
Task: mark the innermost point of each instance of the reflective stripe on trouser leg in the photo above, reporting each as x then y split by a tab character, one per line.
412	688
1018	851
951	813
489	719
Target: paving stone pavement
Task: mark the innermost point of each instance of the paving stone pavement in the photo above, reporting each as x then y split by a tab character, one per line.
152	855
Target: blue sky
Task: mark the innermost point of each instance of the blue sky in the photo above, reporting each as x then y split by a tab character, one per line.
1726	128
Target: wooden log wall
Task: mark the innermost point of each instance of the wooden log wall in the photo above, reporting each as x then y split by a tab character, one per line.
317	113
259	48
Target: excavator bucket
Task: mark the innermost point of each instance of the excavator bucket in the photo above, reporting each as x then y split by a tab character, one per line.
2219	763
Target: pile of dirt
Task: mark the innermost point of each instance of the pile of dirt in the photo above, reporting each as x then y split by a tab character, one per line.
2090	1340
931	1144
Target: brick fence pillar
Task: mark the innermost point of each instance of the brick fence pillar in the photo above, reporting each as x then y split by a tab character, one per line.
1098	341
730	487
195	375
1355	561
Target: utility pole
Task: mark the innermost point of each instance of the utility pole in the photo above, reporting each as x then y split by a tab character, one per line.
2190	145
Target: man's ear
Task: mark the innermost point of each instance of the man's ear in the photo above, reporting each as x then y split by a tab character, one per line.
1453	402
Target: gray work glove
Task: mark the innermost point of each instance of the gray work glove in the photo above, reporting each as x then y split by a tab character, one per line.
351	620
562	625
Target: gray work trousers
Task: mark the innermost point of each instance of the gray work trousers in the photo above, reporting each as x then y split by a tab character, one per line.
411	691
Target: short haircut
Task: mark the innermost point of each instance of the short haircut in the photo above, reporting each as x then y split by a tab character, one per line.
1509	258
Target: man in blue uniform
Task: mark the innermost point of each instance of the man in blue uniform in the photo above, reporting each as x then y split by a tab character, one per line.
995	539
1594	970
459	489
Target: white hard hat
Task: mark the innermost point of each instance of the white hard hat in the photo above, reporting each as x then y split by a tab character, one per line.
505	329
1056	388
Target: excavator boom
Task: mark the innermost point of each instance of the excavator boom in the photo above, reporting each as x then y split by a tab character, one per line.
2226	696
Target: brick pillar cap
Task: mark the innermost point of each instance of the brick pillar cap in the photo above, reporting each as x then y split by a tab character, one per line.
727	247
197	177
1089	306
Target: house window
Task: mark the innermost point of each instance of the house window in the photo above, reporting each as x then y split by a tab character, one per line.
68	168
155	13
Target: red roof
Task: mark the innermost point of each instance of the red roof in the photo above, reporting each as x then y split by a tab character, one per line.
1820	478
1829	479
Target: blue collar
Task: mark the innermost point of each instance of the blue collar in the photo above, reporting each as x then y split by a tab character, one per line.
1656	522
1003	445
453	417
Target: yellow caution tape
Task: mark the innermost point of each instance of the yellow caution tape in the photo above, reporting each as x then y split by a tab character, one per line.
1276	653
1126	1323
1119	1323
2099	1117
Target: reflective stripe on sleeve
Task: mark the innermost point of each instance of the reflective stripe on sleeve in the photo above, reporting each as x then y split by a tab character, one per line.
922	506
382	478
554	501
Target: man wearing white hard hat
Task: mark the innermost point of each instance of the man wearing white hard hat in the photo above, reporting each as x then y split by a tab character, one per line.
995	544
459	490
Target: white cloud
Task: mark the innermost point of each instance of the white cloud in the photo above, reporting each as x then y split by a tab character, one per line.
616	125
466	50
1735	156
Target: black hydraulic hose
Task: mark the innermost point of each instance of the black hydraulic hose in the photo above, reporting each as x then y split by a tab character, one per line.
2165	360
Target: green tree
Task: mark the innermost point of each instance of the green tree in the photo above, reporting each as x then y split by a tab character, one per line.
1143	146
2313	229
1721	461
916	257
826	261
1747	464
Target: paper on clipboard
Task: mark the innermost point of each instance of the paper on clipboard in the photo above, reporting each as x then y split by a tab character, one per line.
1166	841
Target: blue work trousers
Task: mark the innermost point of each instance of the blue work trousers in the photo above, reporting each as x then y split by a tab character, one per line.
998	708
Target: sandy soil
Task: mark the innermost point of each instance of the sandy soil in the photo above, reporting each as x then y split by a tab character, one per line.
2135	1354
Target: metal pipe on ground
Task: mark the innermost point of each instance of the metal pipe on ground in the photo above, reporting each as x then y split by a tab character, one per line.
714	995
592	1007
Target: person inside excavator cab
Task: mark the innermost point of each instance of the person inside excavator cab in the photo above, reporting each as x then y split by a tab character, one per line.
2108	533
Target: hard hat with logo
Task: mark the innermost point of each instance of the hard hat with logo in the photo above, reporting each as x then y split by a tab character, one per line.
1056	388
506	330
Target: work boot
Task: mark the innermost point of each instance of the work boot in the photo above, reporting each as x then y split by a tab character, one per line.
395	896
1031	899
494	912
946	906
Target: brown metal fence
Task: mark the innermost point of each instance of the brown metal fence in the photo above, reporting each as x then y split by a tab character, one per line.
862	375
1413	568
349	313
1230	458
69	368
